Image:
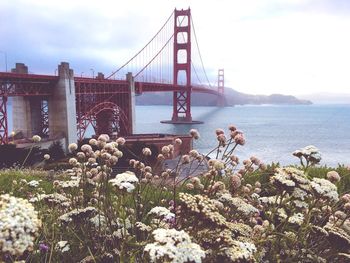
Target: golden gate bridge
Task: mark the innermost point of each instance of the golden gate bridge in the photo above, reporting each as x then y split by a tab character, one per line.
66	105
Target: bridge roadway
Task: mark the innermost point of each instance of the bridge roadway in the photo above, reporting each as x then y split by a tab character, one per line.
15	84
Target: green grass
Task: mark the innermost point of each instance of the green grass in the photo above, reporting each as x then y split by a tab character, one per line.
8	176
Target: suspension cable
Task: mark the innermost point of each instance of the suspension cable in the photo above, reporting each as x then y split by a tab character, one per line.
142	48
138	73
199	52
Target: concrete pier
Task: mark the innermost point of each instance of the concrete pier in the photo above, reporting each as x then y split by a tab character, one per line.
62	106
26	111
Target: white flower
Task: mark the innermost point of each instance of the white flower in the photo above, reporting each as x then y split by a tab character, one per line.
19	225
162	212
310	153
325	188
173	246
239	204
72	147
297	218
33	183
78	214
47	156
53	199
125	181
36	138
63	246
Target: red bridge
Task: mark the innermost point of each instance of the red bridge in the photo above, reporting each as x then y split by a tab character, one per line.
65	105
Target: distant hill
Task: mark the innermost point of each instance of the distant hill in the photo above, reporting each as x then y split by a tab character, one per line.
327	98
232	98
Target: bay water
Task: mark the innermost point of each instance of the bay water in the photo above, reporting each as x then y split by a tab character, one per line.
272	132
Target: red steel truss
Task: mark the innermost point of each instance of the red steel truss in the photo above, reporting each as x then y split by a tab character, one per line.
3	121
103	104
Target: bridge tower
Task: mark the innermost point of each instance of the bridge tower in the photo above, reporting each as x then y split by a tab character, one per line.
182	99
182	67
221	88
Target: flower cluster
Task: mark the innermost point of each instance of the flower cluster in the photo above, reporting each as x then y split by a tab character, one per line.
310	154
125	181
19	225
173	246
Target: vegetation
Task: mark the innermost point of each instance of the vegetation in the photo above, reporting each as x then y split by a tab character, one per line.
234	211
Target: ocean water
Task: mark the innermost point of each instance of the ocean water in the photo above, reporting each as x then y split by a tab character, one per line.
272	132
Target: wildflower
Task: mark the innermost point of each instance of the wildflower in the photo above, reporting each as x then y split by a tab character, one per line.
125	181
232	128
142	227
195	181
333	176
189	186
345	198
118	153
72	147
262	166
93	142
194	133
239	252
36	138
81	155
239	139
109	146
161	212
103	138
194	153
62	246
185	159
86	148
160	157
78	215
146	151
33	183
219	131
235	181
297	219
173	246
73	161
19	224
178	141
255	160
218	165
46	156
310	153
120	141
324	188
238	204
222	139
165	150
43	247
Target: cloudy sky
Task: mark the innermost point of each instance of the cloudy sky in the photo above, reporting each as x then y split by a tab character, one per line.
265	46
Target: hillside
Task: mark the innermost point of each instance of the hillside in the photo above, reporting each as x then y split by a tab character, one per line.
232	98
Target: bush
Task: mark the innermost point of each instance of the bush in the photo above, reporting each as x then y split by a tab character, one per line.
56	151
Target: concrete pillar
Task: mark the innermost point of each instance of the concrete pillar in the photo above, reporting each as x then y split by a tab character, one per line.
62	107
131	103
26	111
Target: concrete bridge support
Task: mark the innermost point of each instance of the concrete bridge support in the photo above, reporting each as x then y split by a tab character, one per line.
62	107
131	104
26	111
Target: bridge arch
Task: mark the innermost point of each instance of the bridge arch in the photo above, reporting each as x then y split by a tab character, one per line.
105	117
